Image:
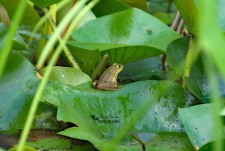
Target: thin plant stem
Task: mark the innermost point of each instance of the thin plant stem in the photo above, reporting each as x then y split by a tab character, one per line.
45	17
180	27
176	21
75	22
57	33
66	51
188	62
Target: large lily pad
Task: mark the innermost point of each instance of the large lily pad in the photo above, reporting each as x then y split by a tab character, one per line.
199	124
18	85
99	114
162	97
127	36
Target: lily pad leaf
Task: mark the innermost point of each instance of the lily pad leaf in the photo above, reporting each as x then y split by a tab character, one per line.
141	4
67	76
18	85
198	82
127	36
87	60
105	7
194	120
18	42
100	114
176	55
98	106
119	53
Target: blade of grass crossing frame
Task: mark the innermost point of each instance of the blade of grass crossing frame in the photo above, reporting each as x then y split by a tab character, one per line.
40	89
62	25
4	52
212	42
67	52
75	22
45	17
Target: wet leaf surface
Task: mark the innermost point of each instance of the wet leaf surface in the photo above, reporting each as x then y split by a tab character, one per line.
199	124
99	115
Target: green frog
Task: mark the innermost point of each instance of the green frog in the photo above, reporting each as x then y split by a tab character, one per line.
108	79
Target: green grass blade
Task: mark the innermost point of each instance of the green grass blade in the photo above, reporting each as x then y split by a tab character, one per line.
62	25
212	41
4	52
45	17
40	89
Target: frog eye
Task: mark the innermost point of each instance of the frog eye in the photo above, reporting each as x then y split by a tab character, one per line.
119	66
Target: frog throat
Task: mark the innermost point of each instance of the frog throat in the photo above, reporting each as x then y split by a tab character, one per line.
118	71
